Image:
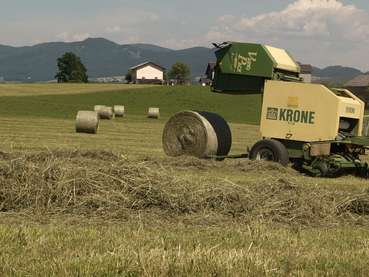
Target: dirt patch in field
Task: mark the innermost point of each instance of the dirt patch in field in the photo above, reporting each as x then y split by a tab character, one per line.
102	184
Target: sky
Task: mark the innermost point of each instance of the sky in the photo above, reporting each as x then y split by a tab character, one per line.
320	32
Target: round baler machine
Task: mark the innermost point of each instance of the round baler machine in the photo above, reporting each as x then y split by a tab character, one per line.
316	128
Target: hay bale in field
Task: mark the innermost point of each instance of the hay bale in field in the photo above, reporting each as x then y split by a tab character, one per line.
153	113
106	113
119	111
87	122
189	133
98	107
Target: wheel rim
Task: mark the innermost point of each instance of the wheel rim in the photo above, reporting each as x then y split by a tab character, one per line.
265	155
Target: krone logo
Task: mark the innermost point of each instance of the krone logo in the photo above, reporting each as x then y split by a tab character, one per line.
291	115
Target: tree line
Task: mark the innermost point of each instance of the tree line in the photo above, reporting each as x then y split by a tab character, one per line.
72	70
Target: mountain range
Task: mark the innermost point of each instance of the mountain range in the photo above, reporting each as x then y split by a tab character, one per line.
104	58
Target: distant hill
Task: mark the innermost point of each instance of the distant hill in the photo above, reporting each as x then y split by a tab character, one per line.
105	58
336	74
101	57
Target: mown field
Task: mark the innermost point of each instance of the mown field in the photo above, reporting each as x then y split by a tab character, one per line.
112	204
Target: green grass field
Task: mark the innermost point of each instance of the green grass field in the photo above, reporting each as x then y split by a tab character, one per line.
112	204
63	102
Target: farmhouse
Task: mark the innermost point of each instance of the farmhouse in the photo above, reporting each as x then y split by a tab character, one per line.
147	73
360	87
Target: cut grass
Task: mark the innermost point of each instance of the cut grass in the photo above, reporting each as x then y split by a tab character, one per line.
101	184
137	249
113	204
93	213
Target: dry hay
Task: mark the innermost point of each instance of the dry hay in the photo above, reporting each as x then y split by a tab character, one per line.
153	113
78	183
119	110
87	122
98	107
106	113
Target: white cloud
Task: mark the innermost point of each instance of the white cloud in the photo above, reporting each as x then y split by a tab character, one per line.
113	29
309	28
69	37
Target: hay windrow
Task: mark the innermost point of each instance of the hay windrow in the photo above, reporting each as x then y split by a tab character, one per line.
78	183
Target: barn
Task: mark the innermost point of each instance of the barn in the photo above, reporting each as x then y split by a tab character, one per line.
147	73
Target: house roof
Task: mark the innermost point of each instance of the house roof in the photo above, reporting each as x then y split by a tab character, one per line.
359	81
141	65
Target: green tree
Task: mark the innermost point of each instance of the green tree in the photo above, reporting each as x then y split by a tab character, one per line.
181	72
71	69
129	76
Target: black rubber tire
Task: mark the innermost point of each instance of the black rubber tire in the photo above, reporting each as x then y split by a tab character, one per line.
276	148
222	130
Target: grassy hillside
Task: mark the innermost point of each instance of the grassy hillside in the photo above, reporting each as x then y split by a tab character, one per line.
62	89
101	57
113	204
235	108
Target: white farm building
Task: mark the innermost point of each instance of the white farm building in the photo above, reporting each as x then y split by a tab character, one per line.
147	73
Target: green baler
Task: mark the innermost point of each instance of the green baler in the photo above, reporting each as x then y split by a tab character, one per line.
244	67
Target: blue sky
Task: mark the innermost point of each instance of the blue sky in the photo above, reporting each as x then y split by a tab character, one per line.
321	32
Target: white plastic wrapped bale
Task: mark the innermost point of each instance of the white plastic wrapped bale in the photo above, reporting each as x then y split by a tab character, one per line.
119	110
87	122
153	113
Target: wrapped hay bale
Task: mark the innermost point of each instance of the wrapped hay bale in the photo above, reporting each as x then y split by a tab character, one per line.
119	111
199	134
106	113
87	122
153	113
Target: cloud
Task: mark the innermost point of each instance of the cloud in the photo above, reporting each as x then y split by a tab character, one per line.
329	19
310	27
113	29
120	25
69	37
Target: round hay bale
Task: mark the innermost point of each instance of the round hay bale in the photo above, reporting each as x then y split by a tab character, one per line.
119	111
106	113
153	113
189	133
222	130
87	122
98	107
